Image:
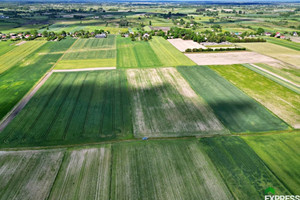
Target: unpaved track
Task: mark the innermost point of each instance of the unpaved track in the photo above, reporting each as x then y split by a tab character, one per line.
13	113
273	74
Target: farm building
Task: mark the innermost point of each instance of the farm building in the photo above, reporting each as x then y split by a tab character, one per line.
102	35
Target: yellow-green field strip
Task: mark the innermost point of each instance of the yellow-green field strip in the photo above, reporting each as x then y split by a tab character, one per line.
84	69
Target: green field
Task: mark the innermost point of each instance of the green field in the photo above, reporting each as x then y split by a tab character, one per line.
274	78
90	53
28	174
17	54
244	172
6	46
96	43
165	105
73	108
19	79
236	110
288	72
84	174
156	53
164	170
282	101
281	153
281	53
285	43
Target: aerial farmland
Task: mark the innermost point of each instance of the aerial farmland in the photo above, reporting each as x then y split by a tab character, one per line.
153	100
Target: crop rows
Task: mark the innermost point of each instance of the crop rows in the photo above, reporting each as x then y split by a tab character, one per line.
236	110
17	54
281	153
18	80
285	43
162	93
96	43
165	170
95	54
244	172
282	101
155	53
74	107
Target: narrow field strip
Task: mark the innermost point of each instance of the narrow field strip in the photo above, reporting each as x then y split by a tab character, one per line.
282	101
162	93
85	69
164	170
244	172
281	153
284	43
84	174
28	174
236	110
85	63
74	107
278	79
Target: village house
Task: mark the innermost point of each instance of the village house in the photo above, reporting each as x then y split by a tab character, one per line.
102	35
278	34
268	34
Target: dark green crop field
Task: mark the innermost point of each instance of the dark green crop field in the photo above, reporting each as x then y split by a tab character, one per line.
236	110
281	153
74	108
164	170
18	80
244	172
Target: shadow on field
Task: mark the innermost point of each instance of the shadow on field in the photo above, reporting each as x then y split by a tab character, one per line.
68	111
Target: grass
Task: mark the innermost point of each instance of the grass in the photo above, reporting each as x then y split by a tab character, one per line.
17	54
164	170
84	174
154	53
236	110
18	80
278	52
274	78
285	43
281	153
28	174
165	105
90	53
244	172
73	108
282	101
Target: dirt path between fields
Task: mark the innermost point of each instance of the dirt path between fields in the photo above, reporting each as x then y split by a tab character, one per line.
13	113
273	74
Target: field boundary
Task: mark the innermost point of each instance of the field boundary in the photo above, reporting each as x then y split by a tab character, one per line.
84	69
277	76
23	102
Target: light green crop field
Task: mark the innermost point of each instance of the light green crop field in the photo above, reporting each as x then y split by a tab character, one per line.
17	54
285	43
165	105
282	101
281	153
284	54
84	174
288	72
96	43
164	170
244	172
28	174
154	53
236	110
73	108
6	46
90	53
19	79
278	80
